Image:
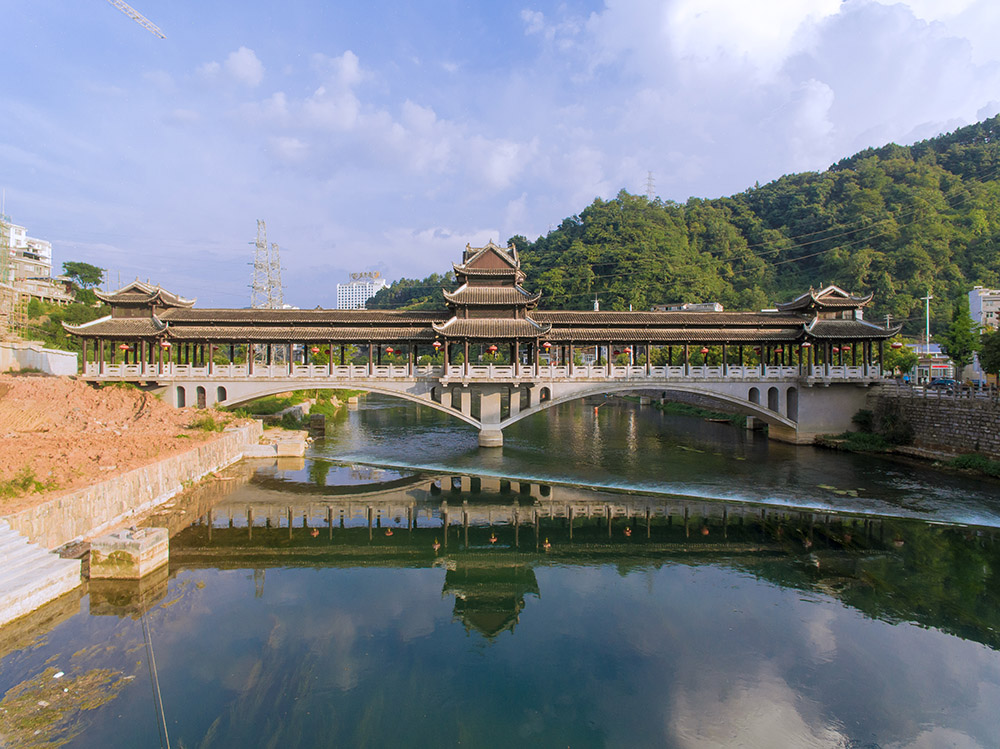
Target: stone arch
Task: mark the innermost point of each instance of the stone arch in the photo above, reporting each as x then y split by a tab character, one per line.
271	388
734	402
220	394
202	397
181	397
792	404
773	399
754	396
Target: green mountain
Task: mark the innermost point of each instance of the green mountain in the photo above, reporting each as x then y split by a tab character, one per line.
899	221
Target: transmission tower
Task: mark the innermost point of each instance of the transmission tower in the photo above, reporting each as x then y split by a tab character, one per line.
650	187
276	293
260	285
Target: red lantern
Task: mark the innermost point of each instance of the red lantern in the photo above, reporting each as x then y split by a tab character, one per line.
836	349
437	345
388	349
492	349
807	345
125	347
315	349
704	350
617	353
779	351
165	344
896	345
546	345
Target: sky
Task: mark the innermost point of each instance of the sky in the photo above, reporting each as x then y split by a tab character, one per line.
386	135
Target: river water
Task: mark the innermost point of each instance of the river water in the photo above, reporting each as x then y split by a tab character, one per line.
610	577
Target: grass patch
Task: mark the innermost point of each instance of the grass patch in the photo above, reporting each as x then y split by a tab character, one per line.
208	423
857	442
977	463
24	482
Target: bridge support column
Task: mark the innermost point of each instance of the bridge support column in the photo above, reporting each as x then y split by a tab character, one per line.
490	437
515	401
466	399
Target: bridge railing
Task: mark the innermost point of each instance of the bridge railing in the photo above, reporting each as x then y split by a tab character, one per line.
480	372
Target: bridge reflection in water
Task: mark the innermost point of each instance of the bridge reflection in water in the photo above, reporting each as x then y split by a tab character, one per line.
490	536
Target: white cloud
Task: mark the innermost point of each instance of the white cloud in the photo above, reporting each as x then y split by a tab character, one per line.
289	149
244	67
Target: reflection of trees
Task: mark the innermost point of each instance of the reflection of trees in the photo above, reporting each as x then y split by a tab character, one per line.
49	712
318	470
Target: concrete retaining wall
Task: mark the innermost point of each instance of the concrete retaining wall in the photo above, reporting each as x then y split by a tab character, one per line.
18	355
946	424
95	509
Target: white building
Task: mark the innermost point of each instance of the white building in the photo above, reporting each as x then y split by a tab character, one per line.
27	257
361	288
984	308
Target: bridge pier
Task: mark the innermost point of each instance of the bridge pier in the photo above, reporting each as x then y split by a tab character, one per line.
490	437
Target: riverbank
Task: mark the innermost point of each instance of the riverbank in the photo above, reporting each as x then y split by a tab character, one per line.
59	435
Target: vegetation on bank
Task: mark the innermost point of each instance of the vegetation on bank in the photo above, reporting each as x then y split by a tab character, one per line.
976	463
879	431
24	482
687	409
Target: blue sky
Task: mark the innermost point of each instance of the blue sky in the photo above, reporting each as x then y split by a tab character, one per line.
384	136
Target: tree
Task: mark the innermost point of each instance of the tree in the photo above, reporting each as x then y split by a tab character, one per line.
904	359
989	353
84	274
962	339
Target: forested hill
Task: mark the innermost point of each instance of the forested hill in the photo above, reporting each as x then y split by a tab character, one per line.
900	221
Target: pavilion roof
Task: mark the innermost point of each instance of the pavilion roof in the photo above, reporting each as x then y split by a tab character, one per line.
674	335
492	328
491	296
831	297
138	293
838	330
253	317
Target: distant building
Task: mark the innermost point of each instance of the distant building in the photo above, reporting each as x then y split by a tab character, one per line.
984	308
361	288
931	363
26	264
688	307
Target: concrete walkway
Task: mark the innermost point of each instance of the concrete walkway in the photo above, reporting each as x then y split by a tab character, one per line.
30	576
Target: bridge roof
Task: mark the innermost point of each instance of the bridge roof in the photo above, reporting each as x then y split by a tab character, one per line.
298	334
358	317
839	330
678	318
118	327
677	335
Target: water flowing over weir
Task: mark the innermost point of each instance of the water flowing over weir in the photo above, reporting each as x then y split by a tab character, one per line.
627	448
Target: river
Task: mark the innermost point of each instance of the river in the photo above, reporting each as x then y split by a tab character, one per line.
669	581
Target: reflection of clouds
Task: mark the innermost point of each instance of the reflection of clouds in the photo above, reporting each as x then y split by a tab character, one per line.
762	713
939	737
819	633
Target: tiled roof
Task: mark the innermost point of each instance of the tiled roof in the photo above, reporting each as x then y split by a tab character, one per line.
491	328
674	335
283	334
462	271
491	296
830	297
118	327
840	330
138	292
304	316
667	319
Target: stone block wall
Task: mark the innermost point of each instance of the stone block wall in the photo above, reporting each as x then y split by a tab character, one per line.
95	509
949	424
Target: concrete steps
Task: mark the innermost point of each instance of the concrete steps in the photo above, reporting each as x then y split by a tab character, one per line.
30	576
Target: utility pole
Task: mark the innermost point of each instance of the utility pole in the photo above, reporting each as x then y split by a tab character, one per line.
927	329
888	321
260	285
650	187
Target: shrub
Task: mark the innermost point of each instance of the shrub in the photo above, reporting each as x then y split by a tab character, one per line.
208	423
24	482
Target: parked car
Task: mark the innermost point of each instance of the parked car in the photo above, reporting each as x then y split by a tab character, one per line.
943	383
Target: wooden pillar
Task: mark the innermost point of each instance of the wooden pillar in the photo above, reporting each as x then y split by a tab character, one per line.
725	360
571	358
342	347
249	358
465	349
687	354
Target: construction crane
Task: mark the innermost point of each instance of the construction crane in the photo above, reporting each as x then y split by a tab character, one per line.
138	17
